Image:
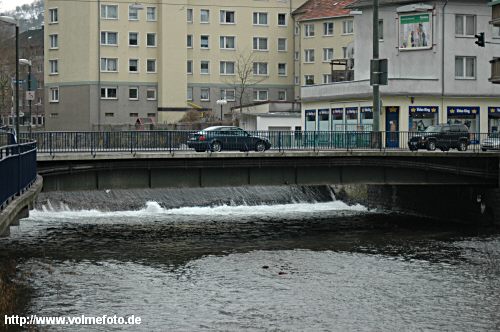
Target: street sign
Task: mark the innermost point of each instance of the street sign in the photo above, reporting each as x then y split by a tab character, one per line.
30	95
378	72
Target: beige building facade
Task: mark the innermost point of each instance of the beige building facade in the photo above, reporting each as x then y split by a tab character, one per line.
108	64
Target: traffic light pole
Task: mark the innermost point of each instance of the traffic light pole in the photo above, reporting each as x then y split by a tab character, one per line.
376	88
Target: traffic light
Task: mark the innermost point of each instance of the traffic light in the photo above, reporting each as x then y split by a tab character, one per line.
480	39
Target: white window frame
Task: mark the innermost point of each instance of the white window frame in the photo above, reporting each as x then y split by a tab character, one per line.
207	37
257	65
137	38
154	94
53	15
204	10
223	68
327	78
106	42
257	41
148	61
347	27
257	96
107	61
54	94
278	20
53	41
133	10
224	95
155	39
201	94
309	56
189	65
463	17
223	16
189	41
286	69
223	42
189	15
137	93
154	19
257	18
106	93
286	45
326	28
285	94
137	64
54	66
464	67
208	67
306	79
326	52
189	93
105	14
309	30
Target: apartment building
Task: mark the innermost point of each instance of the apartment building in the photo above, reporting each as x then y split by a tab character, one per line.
110	63
436	72
324	43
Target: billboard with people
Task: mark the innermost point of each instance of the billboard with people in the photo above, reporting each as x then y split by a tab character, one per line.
415	31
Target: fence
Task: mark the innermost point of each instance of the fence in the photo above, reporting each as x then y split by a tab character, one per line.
168	140
17	169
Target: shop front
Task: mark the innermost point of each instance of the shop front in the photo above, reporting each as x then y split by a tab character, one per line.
351	116
467	115
310	123
337	119
366	118
493	119
421	117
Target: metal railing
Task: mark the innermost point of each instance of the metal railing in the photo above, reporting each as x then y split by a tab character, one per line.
170	141
17	170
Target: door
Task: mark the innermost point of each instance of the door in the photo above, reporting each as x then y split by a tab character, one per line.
392	126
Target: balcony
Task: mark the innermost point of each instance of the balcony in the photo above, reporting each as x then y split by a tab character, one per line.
495	13
495	71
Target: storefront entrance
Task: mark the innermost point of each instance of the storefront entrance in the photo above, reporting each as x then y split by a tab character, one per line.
467	115
493	119
392	126
421	117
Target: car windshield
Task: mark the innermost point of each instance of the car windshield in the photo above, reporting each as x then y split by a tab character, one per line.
432	129
495	135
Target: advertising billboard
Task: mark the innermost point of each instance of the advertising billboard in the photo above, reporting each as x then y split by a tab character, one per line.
415	31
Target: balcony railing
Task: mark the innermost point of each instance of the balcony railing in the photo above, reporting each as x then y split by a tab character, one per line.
495	14
495	71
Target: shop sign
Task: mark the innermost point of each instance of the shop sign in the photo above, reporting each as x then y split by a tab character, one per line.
463	110
337	111
351	110
366	109
424	109
493	110
323	111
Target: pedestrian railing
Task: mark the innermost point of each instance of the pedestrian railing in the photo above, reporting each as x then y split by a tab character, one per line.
171	141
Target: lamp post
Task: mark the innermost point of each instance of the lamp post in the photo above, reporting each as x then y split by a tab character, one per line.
221	102
13	21
28	63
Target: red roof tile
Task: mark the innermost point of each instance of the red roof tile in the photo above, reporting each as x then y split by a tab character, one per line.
315	9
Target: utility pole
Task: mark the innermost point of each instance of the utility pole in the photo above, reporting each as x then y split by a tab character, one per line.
376	88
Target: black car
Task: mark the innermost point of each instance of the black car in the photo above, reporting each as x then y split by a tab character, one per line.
227	138
444	137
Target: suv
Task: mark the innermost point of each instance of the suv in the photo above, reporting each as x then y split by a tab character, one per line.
444	137
220	138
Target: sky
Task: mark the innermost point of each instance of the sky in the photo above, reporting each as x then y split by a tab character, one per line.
6	5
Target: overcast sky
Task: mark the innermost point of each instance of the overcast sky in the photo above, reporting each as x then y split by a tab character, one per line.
6	5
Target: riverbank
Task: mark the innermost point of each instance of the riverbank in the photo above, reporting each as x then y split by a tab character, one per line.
13	292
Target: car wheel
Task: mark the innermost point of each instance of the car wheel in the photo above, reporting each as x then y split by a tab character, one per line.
431	146
260	146
216	146
462	146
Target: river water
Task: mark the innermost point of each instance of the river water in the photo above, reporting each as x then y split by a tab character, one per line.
307	264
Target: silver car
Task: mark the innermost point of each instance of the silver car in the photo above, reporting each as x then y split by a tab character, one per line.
492	142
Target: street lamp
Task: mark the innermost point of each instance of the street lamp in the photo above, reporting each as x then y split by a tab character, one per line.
13	21
221	102
28	63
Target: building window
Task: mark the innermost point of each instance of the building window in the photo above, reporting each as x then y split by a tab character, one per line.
205	67
109	93
281	69
109	38
297	29
495	32
54	67
227	68
380	29
133	65
281	19
327	54
281	95
133	93
260	43
328	29
260	95
228	94
204	41
347	27
308	30
109	12
189	15
296	55
227	42
260	18
309	79
52	115
297	80
151	94
151	115
151	14
344	52
189	41
204	94
260	68
151	66
189	93
227	16
151	39
327	78
133	38
53	16
54	95
309	55
204	16
282	45
53	41
109	64
189	66
109	115
133	115
133	13
465	25
465	67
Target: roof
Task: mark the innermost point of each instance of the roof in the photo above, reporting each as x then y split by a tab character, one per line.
316	9
369	3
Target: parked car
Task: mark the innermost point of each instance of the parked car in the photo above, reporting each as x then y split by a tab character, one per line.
492	142
444	137
220	138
